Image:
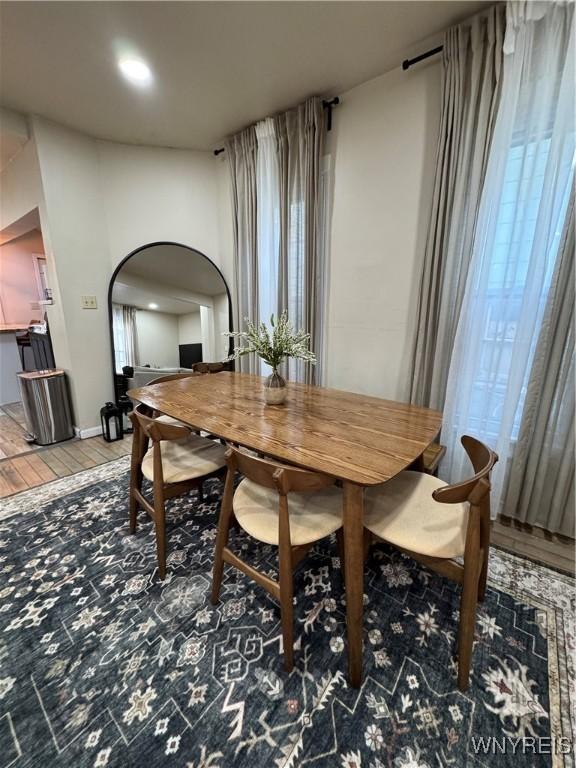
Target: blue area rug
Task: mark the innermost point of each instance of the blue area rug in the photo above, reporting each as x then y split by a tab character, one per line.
103	665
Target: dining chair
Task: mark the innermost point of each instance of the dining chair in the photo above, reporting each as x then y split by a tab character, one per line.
170	419
177	461
260	506
433	523
211	367
173	377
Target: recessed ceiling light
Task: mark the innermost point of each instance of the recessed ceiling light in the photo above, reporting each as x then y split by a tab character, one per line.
152	306
136	71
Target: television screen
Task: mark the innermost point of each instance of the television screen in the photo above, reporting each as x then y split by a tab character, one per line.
190	354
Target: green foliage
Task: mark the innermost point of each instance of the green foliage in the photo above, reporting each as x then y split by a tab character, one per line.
273	344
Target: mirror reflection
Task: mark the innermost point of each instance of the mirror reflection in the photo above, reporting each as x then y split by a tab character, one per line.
169	309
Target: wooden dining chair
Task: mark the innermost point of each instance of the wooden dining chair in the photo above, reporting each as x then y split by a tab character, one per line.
177	461
170	419
434	522
211	367
260	506
173	377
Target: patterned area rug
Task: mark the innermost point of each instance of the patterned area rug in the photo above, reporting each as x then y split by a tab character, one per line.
103	665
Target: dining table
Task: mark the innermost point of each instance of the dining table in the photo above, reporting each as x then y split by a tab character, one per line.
360	440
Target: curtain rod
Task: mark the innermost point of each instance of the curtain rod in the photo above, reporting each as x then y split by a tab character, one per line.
407	63
326	103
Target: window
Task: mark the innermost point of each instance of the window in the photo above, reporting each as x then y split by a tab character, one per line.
521	219
119	338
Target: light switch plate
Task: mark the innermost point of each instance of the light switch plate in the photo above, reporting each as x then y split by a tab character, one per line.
89	302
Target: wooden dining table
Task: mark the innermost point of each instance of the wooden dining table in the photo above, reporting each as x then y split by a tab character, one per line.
360	440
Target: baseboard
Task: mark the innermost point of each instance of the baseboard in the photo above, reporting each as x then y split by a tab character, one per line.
83	434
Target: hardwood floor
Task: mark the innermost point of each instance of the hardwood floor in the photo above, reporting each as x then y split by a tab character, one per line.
37	465
12	430
556	551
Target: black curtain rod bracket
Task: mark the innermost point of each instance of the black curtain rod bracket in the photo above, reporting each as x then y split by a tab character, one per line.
407	63
326	103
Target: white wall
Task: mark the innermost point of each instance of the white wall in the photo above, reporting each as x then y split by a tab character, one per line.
157	339
383	147
21	186
189	328
225	230
103	200
154	194
221	343
22	192
79	248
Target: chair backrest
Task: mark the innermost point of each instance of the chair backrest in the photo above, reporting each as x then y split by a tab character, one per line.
476	489
210	367
173	377
153	429
272	474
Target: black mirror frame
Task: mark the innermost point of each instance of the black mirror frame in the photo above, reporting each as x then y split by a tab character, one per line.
111	286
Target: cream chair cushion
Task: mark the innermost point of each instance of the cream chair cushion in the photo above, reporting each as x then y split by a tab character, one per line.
185	459
312	515
403	512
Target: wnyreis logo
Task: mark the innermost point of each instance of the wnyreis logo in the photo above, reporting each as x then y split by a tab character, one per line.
528	745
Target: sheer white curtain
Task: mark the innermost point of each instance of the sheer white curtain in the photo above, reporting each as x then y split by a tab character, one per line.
125	335
268	223
522	211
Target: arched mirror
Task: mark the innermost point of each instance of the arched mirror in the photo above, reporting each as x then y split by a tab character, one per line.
169	306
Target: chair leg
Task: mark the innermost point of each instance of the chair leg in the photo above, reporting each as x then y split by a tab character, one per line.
136	478
287	608
485	544
468	602
341	552
160	527
226	515
133	510
483	578
218	568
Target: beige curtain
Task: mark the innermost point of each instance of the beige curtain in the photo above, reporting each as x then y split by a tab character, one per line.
130	335
472	63
276	176
300	137
241	152
541	486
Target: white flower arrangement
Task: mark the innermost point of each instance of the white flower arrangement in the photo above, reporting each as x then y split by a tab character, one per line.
273	344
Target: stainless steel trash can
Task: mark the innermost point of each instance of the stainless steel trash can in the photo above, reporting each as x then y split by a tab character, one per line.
46	405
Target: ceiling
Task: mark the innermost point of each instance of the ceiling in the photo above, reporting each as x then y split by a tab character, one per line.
20	227
141	298
217	66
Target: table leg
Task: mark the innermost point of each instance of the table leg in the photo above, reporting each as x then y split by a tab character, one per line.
353	515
